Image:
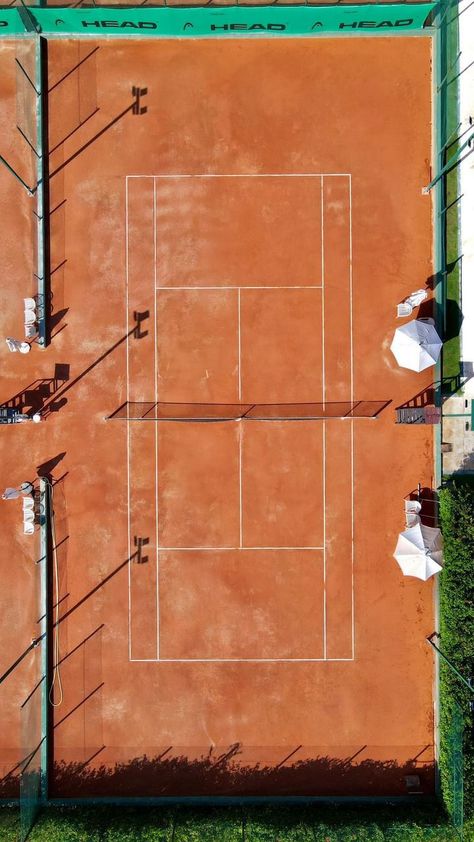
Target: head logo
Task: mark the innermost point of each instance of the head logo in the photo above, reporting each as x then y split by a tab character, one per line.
249	27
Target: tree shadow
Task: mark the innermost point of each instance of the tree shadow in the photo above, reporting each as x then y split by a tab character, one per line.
210	771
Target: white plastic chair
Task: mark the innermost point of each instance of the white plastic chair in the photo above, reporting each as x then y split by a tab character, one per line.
28	516
413	506
30	331
14	345
30	317
28	528
404	309
411	519
417	297
29	303
28	504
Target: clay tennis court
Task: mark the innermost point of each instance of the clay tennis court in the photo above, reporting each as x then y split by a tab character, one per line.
230	617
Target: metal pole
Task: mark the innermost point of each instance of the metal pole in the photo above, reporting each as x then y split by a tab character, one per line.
449	165
467	682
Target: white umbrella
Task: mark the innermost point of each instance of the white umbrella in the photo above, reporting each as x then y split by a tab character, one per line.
419	551
416	345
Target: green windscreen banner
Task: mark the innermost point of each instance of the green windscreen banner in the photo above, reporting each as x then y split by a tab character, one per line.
226	21
11	22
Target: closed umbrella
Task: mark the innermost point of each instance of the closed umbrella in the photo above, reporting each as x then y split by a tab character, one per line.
416	345
419	551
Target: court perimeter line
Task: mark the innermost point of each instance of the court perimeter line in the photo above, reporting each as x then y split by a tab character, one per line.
246	175
128	429
156	429
241	508
236	660
231	549
324	548
240	344
239	287
352	420
323	362
236	286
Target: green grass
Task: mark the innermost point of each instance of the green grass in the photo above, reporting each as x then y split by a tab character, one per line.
452	345
456	626
452	292
272	824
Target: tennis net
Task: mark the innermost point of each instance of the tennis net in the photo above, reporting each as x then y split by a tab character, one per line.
164	411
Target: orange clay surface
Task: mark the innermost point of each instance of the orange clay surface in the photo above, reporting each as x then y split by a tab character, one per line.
231	619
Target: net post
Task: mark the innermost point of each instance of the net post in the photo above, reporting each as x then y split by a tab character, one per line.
466	681
454	161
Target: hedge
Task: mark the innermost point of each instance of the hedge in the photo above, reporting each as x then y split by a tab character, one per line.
456	629
272	824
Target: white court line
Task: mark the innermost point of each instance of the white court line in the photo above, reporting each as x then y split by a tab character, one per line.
246	175
240	345
236	660
322	295
236	286
156	431
323	338
241	508
324	547
232	549
350	287
128	428
352	420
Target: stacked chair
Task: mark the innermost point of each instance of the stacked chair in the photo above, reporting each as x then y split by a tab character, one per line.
31	320
28	515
